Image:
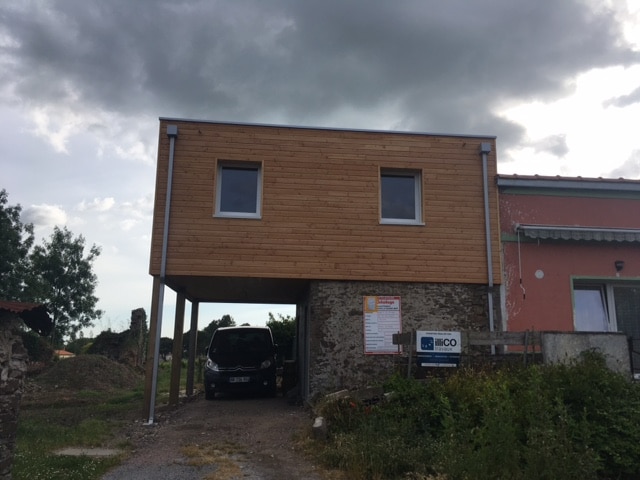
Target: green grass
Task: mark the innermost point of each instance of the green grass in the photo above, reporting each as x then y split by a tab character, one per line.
89	421
85	418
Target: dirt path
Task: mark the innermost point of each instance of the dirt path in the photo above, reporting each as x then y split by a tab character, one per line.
226	439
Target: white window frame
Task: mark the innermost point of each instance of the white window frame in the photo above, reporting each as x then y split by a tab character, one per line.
606	292
607	288
417	196
245	165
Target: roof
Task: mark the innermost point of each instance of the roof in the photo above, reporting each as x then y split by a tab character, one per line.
568	183
34	315
63	353
17	307
334	129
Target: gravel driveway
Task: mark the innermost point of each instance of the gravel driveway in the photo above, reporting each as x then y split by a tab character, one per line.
226	439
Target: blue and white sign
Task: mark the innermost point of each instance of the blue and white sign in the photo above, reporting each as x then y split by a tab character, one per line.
438	349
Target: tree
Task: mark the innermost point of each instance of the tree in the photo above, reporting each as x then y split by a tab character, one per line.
166	346
62	278
207	333
204	336
16	240
284	333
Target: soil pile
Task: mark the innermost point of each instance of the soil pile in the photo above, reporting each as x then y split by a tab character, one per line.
89	372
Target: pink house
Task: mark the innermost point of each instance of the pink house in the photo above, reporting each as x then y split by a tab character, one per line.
571	254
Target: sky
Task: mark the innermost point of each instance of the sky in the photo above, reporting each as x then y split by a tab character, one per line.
84	82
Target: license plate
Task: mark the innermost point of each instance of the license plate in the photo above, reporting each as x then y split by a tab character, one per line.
238	379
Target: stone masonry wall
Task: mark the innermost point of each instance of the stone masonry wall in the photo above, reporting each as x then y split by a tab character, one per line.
337	360
13	364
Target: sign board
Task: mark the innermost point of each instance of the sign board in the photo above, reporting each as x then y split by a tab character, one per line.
438	349
381	320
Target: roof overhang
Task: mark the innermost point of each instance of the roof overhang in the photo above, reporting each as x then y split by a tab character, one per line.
568	183
575	233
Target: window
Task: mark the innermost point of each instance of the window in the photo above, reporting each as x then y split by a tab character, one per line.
400	197
602	307
238	190
609	307
590	308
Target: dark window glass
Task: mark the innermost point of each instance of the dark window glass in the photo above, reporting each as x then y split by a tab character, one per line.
398	197
239	190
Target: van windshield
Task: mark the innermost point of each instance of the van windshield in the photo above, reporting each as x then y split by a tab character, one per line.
250	342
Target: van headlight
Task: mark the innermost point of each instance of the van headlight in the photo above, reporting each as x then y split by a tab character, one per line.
266	364
211	365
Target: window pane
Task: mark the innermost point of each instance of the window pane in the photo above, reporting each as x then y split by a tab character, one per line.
239	190
628	309
628	317
398	197
590	310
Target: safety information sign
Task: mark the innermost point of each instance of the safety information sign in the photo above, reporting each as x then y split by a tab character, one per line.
381	320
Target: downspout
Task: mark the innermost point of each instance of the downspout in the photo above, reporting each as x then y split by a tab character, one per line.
485	149
172	133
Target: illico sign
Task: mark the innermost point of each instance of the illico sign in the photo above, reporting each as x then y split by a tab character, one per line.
438	349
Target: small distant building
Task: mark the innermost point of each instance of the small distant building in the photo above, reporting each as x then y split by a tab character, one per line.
62	354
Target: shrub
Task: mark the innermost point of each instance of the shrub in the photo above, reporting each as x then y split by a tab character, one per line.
578	421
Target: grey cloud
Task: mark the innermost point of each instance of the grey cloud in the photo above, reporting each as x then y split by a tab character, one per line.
624	100
445	65
629	169
554	144
44	215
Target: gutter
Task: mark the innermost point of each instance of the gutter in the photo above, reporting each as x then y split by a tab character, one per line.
172	133
485	149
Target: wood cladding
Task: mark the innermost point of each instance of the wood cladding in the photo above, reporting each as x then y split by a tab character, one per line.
320	215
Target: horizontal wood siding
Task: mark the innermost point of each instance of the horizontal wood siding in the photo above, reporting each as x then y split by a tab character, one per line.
320	206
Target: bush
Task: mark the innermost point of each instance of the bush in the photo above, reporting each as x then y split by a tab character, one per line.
38	349
578	421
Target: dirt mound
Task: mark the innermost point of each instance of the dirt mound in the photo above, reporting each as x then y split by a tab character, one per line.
89	372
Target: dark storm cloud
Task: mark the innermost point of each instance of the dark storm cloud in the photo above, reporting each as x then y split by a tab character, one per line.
427	65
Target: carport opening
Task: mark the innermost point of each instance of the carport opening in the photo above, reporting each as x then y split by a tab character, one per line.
280	318
202	300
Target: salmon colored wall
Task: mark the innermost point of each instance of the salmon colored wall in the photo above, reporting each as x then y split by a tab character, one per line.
546	303
556	210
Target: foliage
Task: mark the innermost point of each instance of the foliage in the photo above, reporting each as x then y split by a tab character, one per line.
207	333
204	336
576	421
80	345
16	240
284	333
166	346
63	279
38	348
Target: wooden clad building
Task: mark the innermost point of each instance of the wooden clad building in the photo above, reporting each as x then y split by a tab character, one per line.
279	214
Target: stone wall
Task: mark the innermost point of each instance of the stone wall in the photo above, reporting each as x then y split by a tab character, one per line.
13	365
337	358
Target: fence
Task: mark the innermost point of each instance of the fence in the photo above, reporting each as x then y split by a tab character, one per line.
526	344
